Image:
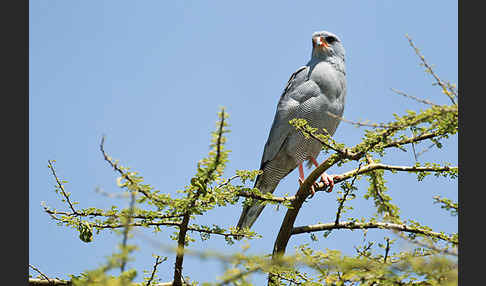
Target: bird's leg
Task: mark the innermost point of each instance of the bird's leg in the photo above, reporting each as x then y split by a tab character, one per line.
301	174
301	179
328	180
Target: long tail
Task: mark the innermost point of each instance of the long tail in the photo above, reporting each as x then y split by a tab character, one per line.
250	213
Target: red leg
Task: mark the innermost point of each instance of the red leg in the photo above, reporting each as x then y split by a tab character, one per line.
301	179
301	173
325	178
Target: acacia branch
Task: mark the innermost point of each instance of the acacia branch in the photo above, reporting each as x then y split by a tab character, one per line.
266	198
101	214
185	220
126	176
158	261
428	245
238	276
431	71
424	101
50	282
302	193
320	186
379	166
367	225
60	185
151	223
38	271
411	140
346	193
286	229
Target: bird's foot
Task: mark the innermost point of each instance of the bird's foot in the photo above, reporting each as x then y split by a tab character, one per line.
312	188
328	180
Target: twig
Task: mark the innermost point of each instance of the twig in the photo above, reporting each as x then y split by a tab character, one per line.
110	195
227	181
341	203
126	229
157	262
415	139
427	245
387	249
126	176
429	69
413	145
425	149
38	271
61	187
425	101
357	123
237	276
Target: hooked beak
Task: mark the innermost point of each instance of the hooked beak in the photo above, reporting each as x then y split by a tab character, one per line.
320	42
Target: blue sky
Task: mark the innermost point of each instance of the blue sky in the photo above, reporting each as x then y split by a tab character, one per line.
152	75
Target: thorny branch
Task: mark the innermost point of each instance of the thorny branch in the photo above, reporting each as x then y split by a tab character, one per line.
448	89
428	245
343	199
387	249
238	276
424	101
367	225
38	271
101	214
351	174
158	261
60	185
144	224
185	220
379	166
51	282
125	175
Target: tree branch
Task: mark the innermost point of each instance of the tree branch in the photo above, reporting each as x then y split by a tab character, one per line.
126	176
424	101
185	220
42	274
60	185
302	193
368	225
50	282
379	166
449	91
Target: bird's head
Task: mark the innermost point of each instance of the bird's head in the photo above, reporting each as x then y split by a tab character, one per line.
326	44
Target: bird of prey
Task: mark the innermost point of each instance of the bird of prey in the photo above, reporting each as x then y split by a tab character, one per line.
311	92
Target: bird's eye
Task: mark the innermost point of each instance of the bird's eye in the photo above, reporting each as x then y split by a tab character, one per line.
330	39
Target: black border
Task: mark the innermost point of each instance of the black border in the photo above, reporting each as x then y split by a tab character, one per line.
15	131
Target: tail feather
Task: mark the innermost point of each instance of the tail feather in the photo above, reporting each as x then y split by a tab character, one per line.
251	212
249	215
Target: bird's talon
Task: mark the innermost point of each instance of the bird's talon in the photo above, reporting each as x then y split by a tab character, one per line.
313	192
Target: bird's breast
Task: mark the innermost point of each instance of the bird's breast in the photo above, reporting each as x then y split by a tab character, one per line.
328	79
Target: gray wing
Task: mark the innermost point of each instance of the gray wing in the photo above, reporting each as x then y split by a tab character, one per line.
286	106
